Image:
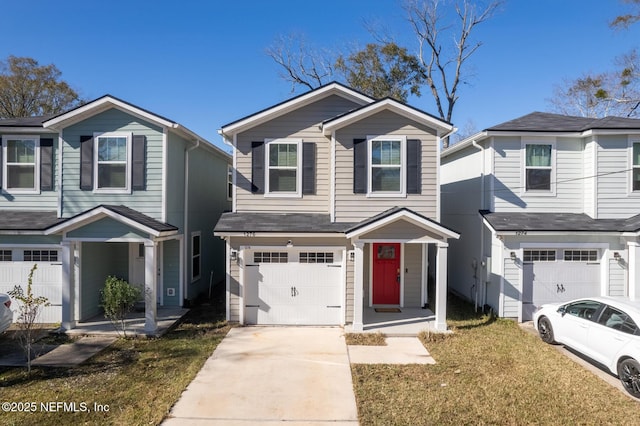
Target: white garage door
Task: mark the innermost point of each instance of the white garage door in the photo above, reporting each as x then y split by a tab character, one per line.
47	278
293	287
558	275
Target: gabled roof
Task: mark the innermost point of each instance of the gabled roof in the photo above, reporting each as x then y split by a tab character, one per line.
390	104
400	213
334	88
550	124
547	122
122	214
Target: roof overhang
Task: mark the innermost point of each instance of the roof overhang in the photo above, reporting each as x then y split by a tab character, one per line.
263	116
443	128
102	212
401	214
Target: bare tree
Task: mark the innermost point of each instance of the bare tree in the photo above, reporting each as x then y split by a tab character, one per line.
301	65
444	64
628	19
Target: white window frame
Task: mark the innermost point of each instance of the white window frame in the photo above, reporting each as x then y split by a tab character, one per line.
129	138
229	182
291	194
523	166
194	256
634	139
5	162
402	192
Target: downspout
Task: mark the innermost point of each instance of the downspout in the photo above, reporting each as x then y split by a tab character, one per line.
482	279
187	243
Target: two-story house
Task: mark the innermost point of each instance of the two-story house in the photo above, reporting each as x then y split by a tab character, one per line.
549	210
109	188
336	209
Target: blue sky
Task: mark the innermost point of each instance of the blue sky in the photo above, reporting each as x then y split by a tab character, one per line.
203	63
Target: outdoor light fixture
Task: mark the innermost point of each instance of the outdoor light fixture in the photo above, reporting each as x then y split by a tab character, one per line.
289	244
513	255
234	255
616	256
352	256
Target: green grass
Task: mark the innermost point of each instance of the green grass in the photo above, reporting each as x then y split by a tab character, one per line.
366	339
139	380
488	372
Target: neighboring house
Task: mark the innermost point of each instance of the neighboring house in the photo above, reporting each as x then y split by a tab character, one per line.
109	188
336	209
548	206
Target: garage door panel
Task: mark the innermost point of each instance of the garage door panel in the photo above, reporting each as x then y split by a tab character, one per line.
293	293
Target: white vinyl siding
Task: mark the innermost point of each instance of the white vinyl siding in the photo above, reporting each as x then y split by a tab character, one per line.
615	200
512	289
617	279
349	206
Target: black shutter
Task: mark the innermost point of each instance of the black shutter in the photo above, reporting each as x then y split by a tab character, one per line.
414	166
360	166
138	162
308	168
46	164
257	167
86	163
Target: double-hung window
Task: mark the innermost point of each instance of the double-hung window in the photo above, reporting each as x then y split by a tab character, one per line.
112	162
635	167
538	168
20	169
284	165
196	249
387	175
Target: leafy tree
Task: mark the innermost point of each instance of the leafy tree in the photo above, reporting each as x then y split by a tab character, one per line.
29	89
28	312
118	299
381	70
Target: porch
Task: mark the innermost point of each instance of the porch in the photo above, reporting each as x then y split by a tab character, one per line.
99	325
395	323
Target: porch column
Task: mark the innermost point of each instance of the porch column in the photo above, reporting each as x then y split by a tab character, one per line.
358	286
150	288
634	270
68	286
441	287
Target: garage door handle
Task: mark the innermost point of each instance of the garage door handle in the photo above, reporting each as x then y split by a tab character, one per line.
294	292
334	306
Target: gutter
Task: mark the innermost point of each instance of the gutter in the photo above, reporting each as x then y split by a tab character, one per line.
482	279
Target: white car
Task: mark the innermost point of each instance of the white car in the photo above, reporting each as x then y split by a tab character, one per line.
6	315
604	329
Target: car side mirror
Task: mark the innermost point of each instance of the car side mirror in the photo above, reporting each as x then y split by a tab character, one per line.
562	310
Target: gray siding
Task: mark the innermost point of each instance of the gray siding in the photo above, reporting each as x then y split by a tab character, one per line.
589	183
617	279
45	200
175	180
76	201
512	289
615	200
171	272
349	207
99	260
302	123
106	228
412	275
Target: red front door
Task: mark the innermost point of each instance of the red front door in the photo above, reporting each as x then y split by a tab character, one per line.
386	274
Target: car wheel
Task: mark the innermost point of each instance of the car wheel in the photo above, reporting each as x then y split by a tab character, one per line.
545	330
629	375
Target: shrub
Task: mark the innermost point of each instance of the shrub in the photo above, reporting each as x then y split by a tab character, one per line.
118	299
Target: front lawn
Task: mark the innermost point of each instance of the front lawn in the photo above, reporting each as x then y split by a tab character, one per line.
133	382
489	372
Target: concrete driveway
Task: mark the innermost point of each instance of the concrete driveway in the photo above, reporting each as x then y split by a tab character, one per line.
263	375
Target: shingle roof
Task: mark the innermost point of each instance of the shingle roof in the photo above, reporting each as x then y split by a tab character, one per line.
558	222
278	222
25	122
547	122
140	218
24	220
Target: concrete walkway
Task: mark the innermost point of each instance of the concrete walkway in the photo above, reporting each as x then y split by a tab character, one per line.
269	375
74	353
399	350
